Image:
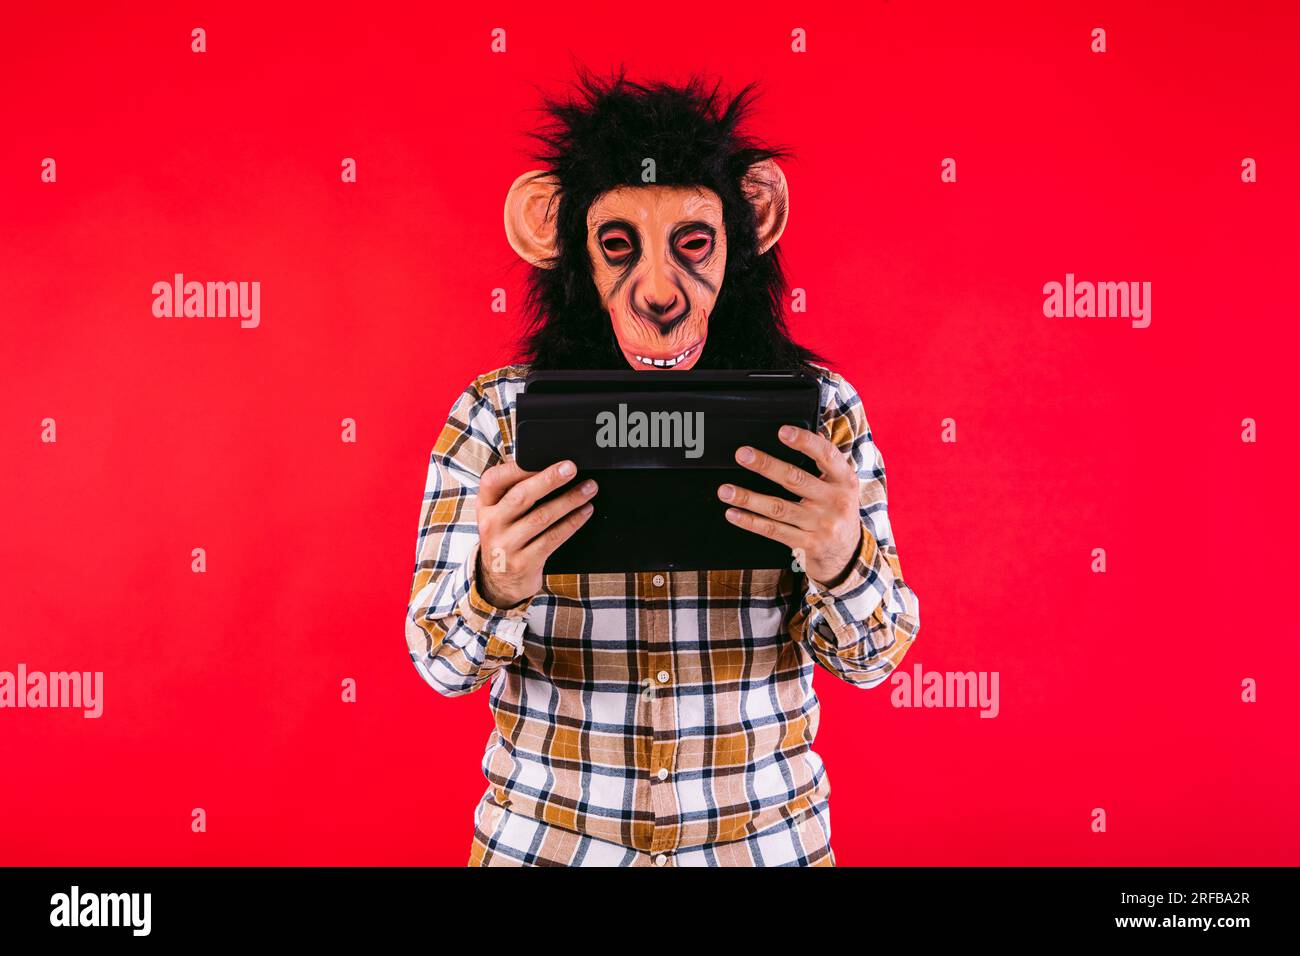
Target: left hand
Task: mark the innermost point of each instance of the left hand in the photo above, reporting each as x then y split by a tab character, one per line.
824	527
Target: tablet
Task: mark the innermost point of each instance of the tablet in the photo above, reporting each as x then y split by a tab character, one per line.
659	444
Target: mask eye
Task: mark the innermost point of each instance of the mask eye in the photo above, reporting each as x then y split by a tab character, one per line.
694	245
616	244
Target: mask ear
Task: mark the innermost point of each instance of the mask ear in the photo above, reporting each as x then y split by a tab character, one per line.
531	206
768	193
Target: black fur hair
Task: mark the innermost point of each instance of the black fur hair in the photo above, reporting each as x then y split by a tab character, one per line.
597	140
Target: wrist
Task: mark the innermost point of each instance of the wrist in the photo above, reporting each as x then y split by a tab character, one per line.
492	593
842	575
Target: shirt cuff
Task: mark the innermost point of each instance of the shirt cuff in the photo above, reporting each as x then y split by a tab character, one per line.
504	626
855	598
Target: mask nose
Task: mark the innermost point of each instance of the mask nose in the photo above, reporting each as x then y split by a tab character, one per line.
659	299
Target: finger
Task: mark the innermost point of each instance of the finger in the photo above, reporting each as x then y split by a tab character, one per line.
539	518
790	512
532	489
499	479
544	544
767	527
833	462
788	476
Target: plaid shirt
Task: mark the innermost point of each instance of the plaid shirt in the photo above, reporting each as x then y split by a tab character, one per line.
649	719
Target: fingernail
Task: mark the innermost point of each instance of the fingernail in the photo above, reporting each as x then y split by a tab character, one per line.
566	469
727	492
787	433
588	487
745	455
587	509
732	514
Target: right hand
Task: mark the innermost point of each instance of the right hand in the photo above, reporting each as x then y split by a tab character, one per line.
516	534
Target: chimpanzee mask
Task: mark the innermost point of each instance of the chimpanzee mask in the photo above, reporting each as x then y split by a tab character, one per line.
652	233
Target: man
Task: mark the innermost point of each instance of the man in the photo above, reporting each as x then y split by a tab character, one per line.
653	719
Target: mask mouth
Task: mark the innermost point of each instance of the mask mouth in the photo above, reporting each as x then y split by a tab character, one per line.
668	362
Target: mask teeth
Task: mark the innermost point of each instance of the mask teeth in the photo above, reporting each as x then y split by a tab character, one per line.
663	363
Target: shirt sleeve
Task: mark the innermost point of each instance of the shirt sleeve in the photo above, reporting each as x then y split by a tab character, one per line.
457	638
860	629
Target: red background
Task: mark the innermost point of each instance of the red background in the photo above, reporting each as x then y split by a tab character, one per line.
222	690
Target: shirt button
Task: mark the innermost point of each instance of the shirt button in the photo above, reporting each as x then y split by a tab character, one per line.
663	773
661	860
663	677
659	580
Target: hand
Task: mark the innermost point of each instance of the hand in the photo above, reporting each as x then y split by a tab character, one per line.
516	534
824	527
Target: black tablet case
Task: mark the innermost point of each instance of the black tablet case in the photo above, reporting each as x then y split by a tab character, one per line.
658	510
